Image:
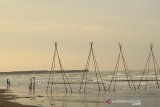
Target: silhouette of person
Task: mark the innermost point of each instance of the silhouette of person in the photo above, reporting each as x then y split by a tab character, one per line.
30	85
8	83
32	88
33	82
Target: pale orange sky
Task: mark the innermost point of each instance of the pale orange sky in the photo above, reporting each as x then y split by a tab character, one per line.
29	28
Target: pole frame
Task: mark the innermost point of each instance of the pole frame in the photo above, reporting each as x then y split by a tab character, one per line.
64	76
147	68
96	69
114	77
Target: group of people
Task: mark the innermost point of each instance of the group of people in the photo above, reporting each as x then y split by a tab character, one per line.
31	85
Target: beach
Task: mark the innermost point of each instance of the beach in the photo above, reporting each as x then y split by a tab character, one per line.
88	99
79	53
4	100
19	93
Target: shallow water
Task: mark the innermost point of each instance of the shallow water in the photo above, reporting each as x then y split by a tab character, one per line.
123	95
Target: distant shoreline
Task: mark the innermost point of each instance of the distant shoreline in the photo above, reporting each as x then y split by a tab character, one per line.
43	72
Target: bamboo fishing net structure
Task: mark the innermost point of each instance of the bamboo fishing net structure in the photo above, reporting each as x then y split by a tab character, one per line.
151	59
96	70
115	76
61	70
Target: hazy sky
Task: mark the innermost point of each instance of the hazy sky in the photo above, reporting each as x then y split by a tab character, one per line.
29	28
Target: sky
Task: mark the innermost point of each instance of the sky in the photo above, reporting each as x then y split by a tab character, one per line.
29	28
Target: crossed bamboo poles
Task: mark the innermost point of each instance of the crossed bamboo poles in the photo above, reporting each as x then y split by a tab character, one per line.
97	72
51	76
147	68
114	77
96	69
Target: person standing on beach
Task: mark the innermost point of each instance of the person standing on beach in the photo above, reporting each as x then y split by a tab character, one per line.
32	88
33	82
33	93
8	83
30	85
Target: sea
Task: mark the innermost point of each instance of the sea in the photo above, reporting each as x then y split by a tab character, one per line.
119	92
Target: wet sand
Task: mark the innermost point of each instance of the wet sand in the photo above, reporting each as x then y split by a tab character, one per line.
88	99
4	100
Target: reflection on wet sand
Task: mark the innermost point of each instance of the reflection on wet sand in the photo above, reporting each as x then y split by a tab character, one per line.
32	94
50	99
72	100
